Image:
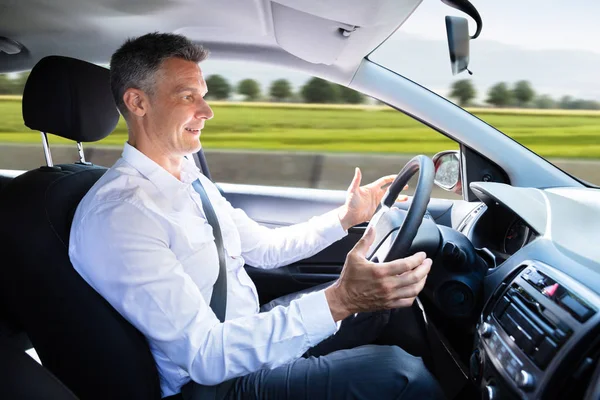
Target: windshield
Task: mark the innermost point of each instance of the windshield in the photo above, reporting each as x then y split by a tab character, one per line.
536	68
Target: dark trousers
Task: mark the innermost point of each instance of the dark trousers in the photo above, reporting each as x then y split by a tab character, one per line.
378	355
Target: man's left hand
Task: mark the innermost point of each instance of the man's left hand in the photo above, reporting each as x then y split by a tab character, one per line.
361	201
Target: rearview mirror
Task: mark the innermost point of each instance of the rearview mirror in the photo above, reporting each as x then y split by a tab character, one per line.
457	30
447	171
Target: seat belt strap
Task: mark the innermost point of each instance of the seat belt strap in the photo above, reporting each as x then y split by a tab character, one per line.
218	300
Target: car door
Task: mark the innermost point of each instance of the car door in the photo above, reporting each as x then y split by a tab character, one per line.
282	206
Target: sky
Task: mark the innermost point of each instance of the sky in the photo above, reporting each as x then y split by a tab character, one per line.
553	44
530	24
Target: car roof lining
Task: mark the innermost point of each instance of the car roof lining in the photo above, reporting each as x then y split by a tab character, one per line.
299	34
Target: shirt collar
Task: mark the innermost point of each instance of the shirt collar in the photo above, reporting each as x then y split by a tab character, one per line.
159	176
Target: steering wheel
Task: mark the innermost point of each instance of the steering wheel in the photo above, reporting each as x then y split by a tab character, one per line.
388	220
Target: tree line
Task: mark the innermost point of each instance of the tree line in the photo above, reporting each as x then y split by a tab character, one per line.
316	90
521	94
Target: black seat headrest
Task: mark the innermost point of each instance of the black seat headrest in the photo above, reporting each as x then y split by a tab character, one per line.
70	98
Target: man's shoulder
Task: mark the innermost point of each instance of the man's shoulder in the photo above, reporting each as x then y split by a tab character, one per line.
120	185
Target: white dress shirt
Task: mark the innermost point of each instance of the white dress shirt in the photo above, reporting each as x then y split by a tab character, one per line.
139	238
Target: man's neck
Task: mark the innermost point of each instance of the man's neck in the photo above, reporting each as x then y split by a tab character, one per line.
172	164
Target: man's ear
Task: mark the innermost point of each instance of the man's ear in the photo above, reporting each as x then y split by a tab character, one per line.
136	102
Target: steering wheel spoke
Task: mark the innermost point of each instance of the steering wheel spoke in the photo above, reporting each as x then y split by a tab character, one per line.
379	254
374	224
396	229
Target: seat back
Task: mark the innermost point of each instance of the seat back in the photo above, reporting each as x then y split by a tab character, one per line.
78	336
23	378
4	181
10	332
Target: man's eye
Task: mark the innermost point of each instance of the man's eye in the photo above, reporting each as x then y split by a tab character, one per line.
188	97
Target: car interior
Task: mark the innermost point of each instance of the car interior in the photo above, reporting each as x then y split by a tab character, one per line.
511	305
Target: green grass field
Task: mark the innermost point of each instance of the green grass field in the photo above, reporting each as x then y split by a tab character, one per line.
353	129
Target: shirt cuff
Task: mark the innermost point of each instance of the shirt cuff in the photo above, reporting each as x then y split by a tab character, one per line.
316	317
330	226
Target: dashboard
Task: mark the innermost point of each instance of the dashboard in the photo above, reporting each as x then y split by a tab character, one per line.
500	230
538	336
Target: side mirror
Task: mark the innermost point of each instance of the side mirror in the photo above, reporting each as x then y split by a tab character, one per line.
447	171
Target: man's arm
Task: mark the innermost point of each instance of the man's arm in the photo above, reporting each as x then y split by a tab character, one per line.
269	248
264	247
123	252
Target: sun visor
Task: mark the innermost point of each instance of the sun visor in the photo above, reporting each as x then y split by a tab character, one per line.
311	38
319	31
363	13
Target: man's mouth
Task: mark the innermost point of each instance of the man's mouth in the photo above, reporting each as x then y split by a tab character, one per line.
192	130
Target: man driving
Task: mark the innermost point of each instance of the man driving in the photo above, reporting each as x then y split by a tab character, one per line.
155	238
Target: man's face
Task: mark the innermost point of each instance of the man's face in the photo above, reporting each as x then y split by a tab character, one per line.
177	108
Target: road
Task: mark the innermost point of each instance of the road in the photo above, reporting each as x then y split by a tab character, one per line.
316	170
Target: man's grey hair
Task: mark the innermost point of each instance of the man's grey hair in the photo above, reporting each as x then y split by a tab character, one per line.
136	62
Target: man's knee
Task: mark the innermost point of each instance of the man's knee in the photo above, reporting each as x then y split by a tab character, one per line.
408	373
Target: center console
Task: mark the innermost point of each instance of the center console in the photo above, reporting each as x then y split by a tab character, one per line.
537	317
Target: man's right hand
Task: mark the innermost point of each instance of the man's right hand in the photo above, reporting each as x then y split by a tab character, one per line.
367	286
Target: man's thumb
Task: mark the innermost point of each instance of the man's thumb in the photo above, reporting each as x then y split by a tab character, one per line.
365	242
355	184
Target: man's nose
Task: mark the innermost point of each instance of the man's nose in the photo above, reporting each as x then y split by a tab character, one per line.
204	111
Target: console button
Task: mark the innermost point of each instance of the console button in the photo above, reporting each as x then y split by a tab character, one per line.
524	380
545	352
534	278
510	368
578	310
489	392
486	330
513	366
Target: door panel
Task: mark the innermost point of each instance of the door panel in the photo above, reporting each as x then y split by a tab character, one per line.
323	267
276	207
